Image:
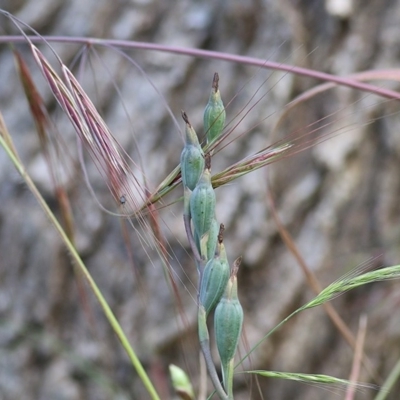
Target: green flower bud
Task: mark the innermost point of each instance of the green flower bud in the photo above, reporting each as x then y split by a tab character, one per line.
192	157
181	383
214	113
228	321
192	161
214	280
202	204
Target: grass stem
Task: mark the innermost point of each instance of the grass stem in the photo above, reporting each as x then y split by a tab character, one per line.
103	303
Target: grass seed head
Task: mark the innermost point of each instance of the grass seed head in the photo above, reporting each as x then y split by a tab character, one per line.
192	157
192	165
202	204
214	113
214	280
228	321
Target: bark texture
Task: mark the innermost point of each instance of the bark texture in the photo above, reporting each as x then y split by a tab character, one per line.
339	199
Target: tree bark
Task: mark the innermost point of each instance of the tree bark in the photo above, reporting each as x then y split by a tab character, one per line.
338	199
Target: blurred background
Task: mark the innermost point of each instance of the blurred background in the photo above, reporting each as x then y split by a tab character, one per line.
339	199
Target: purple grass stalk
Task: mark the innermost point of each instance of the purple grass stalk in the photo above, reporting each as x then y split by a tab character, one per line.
256	62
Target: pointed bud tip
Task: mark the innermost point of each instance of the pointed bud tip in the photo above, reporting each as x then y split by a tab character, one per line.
221	233
185	117
207	161
215	82
236	265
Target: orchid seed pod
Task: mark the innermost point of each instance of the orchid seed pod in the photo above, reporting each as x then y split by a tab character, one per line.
228	320
181	383
215	277
214	113
192	157
202	204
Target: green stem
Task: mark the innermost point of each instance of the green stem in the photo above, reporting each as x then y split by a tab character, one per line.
205	348
106	308
268	334
390	381
228	378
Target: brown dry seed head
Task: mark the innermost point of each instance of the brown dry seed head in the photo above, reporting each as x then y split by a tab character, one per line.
100	143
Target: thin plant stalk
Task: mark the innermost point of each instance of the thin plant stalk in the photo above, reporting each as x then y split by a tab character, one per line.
204	340
317	288
106	308
207	54
355	370
307	378
391	380
332	291
229	378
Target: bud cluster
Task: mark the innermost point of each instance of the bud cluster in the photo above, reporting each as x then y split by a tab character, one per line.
218	282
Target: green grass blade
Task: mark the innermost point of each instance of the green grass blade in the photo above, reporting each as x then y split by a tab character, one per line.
389	383
318	379
306	378
106	308
345	284
332	291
